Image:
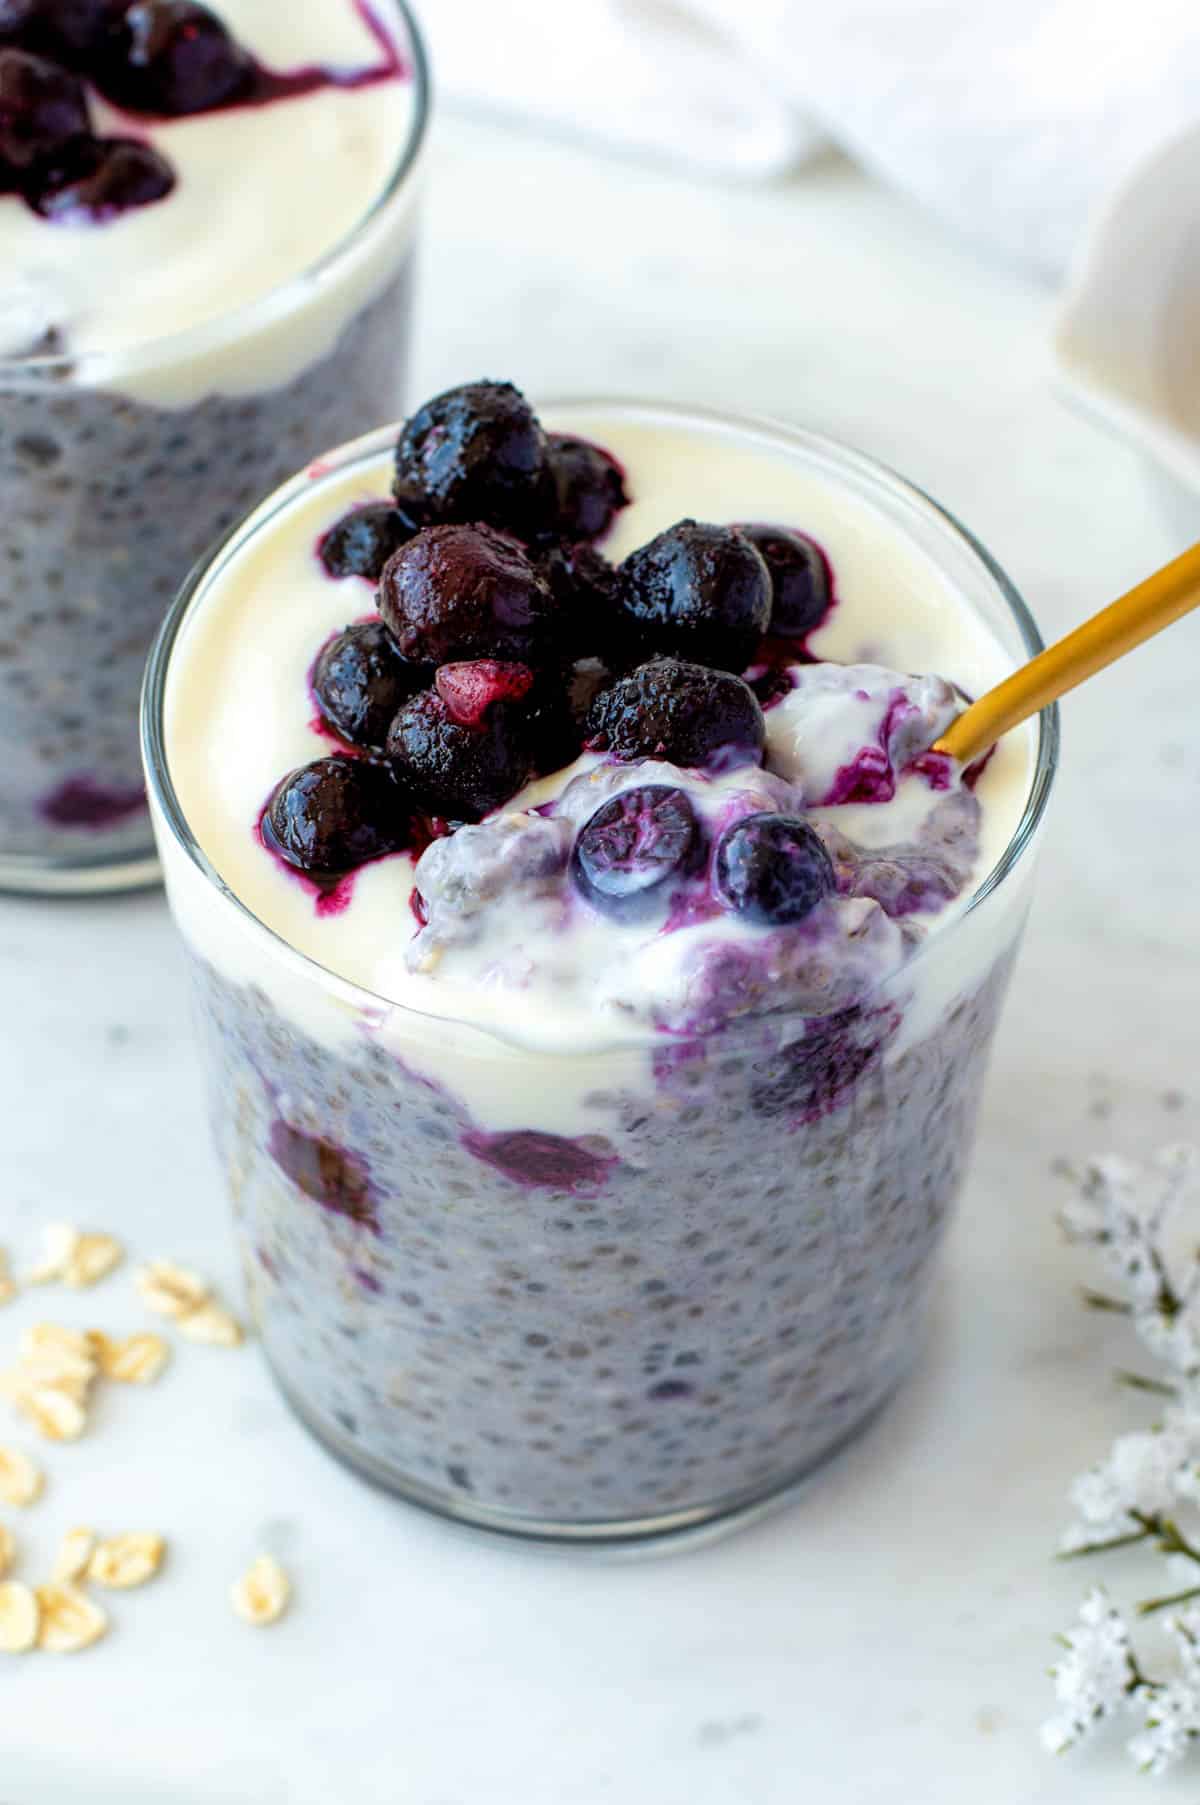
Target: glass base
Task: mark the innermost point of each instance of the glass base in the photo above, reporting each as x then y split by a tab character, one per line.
74	874
667	1534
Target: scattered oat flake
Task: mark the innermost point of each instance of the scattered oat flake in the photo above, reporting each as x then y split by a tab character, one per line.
93	1258
71	1621
55	1338
170	1290
52	1413
45	1374
8	1549
74	1553
213	1325
126	1560
262	1595
21	1479
138	1360
19	1618
59	1241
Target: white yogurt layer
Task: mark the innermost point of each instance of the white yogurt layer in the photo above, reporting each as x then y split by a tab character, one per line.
262	195
239	716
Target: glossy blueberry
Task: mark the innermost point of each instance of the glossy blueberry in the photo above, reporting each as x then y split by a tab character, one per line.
43	109
800	578
470	689
463	592
633	847
101	178
687	713
173	57
700	592
584	584
335	814
363	540
475	453
589	487
359	681
456	772
66	31
772	869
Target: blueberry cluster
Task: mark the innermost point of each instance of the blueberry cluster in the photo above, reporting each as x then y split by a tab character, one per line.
156	57
490	592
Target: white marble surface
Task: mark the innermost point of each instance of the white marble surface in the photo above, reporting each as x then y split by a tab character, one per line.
886	1639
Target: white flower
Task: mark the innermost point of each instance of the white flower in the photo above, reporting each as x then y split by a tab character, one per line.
1184	1626
1123	1209
1095	1675
1175	1340
1144	1473
1172	1723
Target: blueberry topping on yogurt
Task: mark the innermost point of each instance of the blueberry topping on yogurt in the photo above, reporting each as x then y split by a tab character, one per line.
66	31
476	453
800	584
333	815
772	870
589	487
360	680
683	712
700	592
362	541
462	592
459	772
634	847
43	109
174	57
101	178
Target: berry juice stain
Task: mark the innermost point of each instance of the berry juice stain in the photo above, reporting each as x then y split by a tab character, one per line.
271	85
81	802
548	1161
332	1176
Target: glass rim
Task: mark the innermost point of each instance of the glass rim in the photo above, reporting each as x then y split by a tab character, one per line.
207	334
366	451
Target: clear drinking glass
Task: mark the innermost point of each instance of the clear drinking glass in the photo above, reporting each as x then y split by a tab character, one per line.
659	1326
118	472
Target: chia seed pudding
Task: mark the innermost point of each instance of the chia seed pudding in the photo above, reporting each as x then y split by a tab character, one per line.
177	335
596	964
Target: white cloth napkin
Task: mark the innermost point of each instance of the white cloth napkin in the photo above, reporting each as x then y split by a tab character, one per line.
1010	118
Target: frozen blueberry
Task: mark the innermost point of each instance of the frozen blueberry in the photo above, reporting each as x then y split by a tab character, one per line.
359	681
173	57
699	592
686	713
584	584
461	592
476	453
334	814
589	486
471	688
772	869
363	540
67	31
800	578
456	772
42	109
634	845
99	179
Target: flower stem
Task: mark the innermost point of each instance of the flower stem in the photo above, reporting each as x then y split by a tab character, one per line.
1100	1300
1143	1382
1127	1541
1161	1604
1171	1539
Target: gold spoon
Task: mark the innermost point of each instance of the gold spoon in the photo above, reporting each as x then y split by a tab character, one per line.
1165	597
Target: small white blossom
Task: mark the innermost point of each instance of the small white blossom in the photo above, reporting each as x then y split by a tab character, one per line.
1144	1473
1172	1724
1096	1674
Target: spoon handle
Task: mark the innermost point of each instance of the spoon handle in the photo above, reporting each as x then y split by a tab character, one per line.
1125	623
